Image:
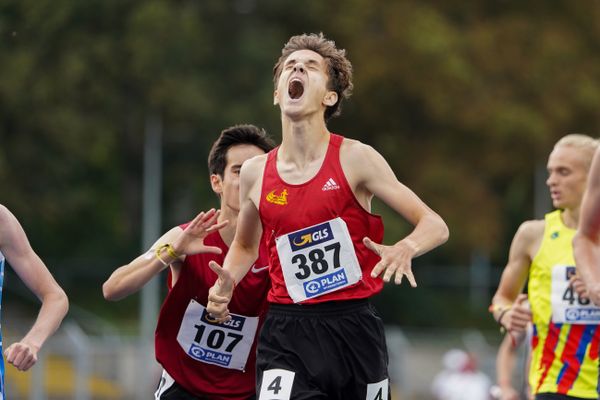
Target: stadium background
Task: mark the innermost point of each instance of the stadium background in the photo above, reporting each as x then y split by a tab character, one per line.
463	98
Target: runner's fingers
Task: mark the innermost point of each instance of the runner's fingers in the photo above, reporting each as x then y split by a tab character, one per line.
218	299
389	271
26	362
19	357
212	249
398	278
210	217
218	226
196	220
377	269
411	278
217	269
521	299
371	245
30	364
217	312
521	312
9	353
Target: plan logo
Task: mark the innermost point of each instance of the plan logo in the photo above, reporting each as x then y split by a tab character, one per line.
582	314
325	284
209	356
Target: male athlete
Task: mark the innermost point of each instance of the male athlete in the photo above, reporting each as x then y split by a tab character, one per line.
203	359
32	271
312	197
564	359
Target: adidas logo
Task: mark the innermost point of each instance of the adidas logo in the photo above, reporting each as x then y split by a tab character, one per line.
330	185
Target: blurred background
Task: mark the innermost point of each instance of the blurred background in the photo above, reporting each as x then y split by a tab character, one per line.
108	109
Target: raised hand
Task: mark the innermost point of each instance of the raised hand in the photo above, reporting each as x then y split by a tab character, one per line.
191	240
395	260
22	355
219	295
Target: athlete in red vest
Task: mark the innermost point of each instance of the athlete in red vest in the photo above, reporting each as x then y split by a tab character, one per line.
201	358
312	196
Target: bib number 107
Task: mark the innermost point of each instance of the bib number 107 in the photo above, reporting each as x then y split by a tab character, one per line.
315	262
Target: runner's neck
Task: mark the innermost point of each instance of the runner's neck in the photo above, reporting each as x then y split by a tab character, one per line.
301	146
228	232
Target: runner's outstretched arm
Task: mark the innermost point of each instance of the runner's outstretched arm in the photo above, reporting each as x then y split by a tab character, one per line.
509	308
132	277
35	275
586	244
367	169
244	248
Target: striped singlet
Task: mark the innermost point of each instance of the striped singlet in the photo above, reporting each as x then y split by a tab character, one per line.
564	357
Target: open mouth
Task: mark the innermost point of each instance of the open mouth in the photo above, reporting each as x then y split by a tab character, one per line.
296	89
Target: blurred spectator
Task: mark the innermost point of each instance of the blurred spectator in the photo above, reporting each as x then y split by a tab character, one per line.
461	379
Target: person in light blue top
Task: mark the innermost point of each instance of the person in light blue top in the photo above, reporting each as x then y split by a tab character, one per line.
17	252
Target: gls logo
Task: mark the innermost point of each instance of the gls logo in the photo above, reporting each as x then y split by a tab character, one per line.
236	322
310	236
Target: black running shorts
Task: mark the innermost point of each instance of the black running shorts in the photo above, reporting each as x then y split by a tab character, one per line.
333	350
556	396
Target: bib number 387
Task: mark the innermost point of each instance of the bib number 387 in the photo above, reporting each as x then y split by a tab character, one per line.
317	260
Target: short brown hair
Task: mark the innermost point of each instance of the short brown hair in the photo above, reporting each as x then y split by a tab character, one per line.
233	136
339	68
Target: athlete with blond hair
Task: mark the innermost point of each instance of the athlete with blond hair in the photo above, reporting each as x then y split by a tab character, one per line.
564	358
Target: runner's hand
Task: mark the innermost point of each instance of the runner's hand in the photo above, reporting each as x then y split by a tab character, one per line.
22	355
191	239
219	295
579	286
516	319
594	293
396	259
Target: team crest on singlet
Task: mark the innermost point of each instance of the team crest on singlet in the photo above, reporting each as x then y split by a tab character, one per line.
279	199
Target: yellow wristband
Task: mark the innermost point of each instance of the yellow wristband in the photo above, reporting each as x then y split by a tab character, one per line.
163	262
171	250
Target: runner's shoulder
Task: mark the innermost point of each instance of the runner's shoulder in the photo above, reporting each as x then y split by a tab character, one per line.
531	231
253	167
355	148
359	157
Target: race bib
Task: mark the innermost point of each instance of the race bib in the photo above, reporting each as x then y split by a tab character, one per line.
567	306
226	345
317	260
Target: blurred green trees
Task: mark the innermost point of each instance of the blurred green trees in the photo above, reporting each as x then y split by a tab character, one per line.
464	99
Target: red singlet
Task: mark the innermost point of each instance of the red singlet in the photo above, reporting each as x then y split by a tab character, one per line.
286	208
200	363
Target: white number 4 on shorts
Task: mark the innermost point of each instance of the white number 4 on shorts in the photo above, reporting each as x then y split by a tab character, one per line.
378	391
276	384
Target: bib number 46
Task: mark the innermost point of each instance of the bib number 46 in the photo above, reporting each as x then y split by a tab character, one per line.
570	296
